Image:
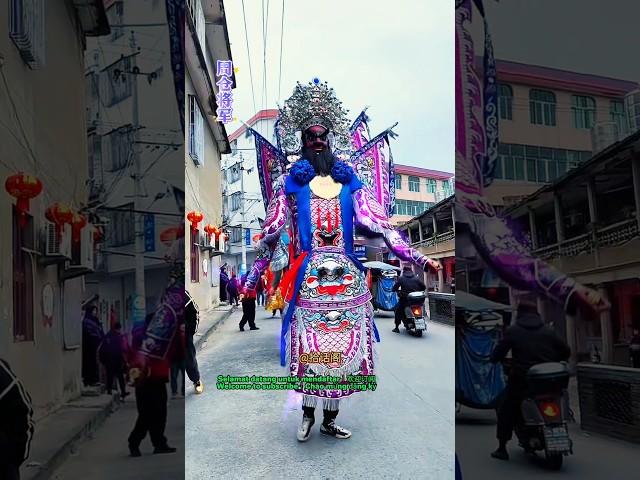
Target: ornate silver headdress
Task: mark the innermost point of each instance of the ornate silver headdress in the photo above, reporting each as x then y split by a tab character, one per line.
313	104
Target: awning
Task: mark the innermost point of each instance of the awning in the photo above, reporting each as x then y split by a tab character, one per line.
474	303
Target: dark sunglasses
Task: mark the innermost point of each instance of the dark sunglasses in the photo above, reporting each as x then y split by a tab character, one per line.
310	136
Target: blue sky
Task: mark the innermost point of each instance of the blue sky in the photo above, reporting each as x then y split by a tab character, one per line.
396	57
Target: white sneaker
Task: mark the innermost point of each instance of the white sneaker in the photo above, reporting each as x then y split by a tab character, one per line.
305	429
334	430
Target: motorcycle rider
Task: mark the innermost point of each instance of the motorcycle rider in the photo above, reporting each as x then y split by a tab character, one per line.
405	284
531	342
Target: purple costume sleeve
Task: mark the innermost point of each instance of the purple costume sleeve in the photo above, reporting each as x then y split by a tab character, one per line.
371	215
275	222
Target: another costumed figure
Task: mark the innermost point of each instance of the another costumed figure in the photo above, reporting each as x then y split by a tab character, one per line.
337	181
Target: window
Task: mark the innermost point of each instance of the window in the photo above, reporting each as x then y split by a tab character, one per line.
236	234
398	181
115	13
95	163
121	226
431	185
119	143
505	101
117	80
22	279
446	187
542	107
27	30
234	173
535	164
618	115
236	200
234	147
584	111
414	184
195	255
411	207
92	102
196	132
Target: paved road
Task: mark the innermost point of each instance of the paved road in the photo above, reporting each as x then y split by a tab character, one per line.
405	429
595	457
106	456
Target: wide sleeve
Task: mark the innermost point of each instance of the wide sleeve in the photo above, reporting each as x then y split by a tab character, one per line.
276	221
499	248
370	215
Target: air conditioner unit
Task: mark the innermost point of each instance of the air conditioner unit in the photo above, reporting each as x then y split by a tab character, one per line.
57	245
83	254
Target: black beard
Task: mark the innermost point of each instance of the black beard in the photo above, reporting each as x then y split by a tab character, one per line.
322	162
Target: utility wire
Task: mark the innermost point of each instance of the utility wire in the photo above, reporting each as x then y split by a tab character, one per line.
264	56
246	36
281	37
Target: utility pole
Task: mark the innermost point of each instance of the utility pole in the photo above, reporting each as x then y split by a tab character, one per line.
243	214
139	305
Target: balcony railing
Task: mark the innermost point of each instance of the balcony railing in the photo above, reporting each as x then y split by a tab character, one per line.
609	236
436	239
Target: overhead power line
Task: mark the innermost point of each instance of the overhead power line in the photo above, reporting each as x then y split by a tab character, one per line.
246	37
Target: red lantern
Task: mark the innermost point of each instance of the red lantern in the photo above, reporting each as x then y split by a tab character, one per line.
77	224
195	218
169	235
24	188
59	213
97	234
210	230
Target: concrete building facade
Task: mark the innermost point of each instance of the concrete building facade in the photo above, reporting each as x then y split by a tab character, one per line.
417	190
551	121
587	225
205	142
132	114
42	108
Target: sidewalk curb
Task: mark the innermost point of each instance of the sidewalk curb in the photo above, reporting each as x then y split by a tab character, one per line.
46	469
205	335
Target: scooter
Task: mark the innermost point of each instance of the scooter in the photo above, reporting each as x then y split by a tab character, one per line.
414	318
545	413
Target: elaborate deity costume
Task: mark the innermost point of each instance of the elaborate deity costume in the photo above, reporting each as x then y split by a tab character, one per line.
337	181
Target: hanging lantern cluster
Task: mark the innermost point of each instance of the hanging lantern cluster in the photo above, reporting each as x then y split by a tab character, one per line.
23	187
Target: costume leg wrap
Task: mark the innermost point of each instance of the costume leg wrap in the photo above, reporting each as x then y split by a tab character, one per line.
309	401
332	404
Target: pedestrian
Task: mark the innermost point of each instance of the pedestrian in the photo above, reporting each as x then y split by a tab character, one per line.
16	423
191	317
92	335
248	307
178	366
151	375
634	348
260	294
233	290
224	280
112	355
